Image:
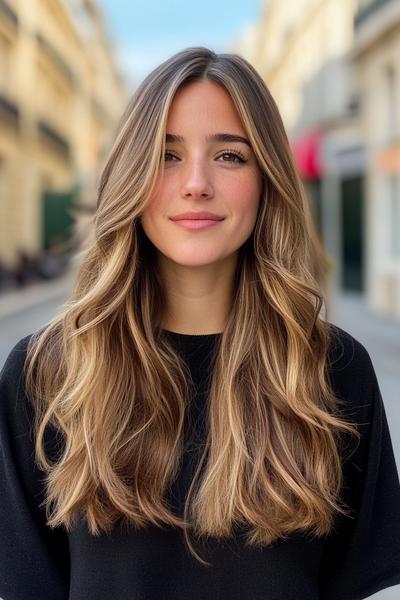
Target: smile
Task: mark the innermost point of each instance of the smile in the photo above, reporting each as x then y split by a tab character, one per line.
197	224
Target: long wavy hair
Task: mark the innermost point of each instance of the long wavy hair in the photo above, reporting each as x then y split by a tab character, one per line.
103	375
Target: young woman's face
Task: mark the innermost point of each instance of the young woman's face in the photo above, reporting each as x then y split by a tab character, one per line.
203	173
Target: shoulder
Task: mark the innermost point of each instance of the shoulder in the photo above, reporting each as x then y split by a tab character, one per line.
17	354
346	351
352	374
12	374
15	361
348	357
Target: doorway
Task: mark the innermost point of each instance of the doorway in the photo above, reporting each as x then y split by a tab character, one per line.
352	229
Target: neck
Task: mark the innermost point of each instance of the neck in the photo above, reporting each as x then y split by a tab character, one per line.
199	299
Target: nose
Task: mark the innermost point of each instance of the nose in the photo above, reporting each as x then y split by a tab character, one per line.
196	181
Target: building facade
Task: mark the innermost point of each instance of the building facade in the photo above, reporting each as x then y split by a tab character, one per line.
376	55
301	50
333	67
61	96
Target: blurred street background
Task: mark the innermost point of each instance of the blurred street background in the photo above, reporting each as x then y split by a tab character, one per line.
67	71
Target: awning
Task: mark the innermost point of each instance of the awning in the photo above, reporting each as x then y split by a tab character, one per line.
307	154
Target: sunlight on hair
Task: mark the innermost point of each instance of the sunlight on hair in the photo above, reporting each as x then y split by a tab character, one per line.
106	377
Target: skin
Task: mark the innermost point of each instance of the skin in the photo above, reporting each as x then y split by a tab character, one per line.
197	267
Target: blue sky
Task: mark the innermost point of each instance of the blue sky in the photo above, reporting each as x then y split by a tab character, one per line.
146	33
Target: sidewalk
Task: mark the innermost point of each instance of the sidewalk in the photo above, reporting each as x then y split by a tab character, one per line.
379	334
350	309
18	300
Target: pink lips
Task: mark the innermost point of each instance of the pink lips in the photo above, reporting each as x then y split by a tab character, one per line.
197	220
197	224
197	215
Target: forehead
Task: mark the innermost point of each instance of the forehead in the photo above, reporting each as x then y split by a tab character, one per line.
201	105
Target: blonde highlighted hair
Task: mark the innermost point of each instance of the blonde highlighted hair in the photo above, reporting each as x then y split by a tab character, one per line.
103	373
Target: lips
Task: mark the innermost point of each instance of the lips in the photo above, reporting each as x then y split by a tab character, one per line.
195	216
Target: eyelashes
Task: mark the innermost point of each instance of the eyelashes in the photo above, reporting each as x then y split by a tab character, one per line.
236	154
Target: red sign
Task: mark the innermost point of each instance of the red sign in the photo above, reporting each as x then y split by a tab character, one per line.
307	154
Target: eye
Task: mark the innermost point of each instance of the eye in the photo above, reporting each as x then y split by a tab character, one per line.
168	154
237	156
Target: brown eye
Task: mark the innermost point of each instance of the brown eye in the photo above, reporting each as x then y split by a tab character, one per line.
236	157
168	154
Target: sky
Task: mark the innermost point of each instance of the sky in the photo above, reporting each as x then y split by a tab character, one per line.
146	32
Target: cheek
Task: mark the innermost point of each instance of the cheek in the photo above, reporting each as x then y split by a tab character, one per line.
157	199
244	195
154	207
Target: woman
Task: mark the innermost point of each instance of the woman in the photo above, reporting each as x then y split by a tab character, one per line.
189	426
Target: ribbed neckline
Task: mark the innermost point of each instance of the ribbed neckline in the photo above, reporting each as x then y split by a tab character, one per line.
189	336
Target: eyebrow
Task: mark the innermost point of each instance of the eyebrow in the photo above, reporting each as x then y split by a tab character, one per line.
215	137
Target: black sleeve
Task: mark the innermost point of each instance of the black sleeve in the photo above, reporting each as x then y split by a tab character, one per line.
34	559
363	555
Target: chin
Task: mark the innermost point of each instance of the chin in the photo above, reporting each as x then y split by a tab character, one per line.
194	264
194	261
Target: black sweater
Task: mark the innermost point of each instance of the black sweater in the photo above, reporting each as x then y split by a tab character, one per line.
361	557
